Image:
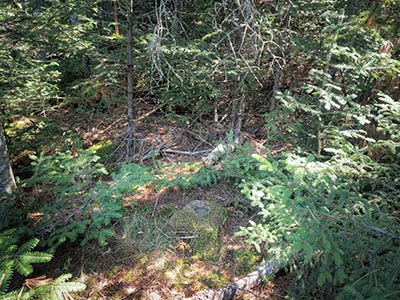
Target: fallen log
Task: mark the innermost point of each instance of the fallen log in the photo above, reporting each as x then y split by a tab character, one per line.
217	153
239	286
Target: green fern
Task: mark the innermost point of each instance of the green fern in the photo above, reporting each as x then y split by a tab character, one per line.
6	269
56	289
20	258
15	295
28	246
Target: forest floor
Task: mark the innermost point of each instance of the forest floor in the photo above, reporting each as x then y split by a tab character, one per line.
148	259
178	269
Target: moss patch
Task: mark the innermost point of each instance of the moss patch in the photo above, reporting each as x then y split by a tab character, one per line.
104	148
188	220
199	222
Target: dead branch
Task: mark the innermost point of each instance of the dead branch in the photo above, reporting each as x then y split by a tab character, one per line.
377	229
239	286
189	153
146	114
218	151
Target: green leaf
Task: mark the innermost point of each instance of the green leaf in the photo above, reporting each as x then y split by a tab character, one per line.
36	257
341	275
71	287
63	278
326	244
309	252
33	157
12	296
265	164
6	269
28	246
103	236
55	294
23	267
257	247
321	278
350	290
337	258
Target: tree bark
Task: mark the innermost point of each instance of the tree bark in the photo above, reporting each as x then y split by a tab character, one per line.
131	113
178	5
277	75
7	182
239	118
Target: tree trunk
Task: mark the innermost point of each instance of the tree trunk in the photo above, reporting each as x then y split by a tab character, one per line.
239	119
7	182
178	6
273	102
131	124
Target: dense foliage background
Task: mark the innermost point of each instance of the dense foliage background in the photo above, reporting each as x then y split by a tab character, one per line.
323	76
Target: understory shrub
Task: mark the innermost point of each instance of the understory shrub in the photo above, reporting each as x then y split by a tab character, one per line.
318	219
72	200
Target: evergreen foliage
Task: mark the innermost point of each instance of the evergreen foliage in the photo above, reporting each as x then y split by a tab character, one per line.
21	258
323	73
318	220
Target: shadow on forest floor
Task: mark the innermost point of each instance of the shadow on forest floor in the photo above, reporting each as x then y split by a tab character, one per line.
178	267
147	259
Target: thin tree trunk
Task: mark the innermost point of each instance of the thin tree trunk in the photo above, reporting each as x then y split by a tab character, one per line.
239	118
277	75
176	15
7	182
319	130
116	22
131	112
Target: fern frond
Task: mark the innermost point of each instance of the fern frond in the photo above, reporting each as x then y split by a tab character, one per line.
58	288
71	287
6	269
62	278
36	257
7	239
20	295
23	267
61	284
103	236
28	246
9	296
24	258
10	249
55	295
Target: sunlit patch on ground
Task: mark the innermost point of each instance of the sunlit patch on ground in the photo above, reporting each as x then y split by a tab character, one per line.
150	259
162	249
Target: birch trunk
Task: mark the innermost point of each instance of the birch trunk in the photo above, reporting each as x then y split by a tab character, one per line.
7	182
